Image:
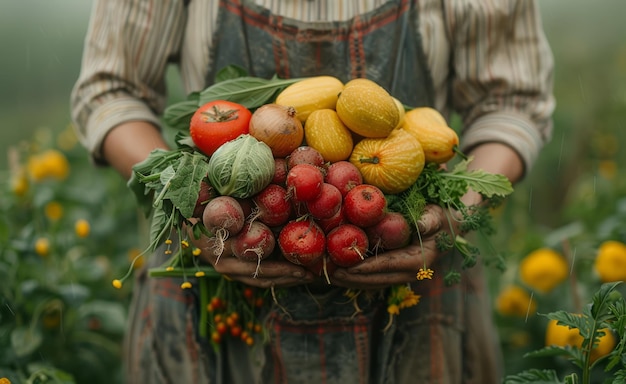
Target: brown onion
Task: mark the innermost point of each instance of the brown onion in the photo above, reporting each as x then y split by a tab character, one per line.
278	127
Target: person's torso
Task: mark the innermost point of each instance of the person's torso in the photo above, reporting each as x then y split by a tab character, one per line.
198	60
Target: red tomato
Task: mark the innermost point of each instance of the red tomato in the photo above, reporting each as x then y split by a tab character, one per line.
217	122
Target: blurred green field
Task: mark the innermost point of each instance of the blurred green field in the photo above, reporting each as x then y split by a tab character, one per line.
574	198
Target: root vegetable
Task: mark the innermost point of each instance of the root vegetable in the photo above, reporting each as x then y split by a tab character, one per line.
347	245
277	126
302	242
304	181
273	205
254	243
224	217
344	175
305	155
364	205
392	232
326	204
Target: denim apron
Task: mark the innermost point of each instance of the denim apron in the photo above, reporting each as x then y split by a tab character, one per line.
321	338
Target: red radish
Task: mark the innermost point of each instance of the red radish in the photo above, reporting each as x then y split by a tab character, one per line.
347	245
274	207
327	204
364	205
336	220
305	155
280	171
205	194
302	242
392	232
254	243
305	181
344	175
224	217
223	213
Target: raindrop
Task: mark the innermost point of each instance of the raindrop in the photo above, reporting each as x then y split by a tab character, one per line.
10	309
558	167
532	293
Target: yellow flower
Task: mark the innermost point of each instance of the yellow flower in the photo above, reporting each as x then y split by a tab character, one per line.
562	335
19	184
200	274
393	309
401	296
196	252
81	227
48	164
42	246
543	269
424	274
607	169
117	283
185	285
4	380
53	210
610	263
515	301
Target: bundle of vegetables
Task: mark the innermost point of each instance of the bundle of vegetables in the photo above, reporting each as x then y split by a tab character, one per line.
311	170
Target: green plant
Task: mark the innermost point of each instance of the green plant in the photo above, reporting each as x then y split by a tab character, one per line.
605	313
61	241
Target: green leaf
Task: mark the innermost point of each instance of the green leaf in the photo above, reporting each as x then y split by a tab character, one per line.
251	92
25	341
178	115
145	177
535	376
230	72
158	226
553	350
568	319
185	182
485	183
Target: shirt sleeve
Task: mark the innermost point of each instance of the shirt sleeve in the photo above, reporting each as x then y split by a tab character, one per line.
503	75
125	56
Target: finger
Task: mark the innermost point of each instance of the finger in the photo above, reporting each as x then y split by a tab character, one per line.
268	269
431	220
408	259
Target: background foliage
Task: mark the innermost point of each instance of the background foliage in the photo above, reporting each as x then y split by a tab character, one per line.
573	200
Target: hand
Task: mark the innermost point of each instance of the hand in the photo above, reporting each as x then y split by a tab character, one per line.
266	274
400	265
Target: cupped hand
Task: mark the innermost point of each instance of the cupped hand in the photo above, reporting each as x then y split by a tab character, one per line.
400	265
268	273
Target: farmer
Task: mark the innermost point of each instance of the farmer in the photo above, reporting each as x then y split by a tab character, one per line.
486	60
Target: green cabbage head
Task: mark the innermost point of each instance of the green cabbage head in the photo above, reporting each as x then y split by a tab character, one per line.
241	167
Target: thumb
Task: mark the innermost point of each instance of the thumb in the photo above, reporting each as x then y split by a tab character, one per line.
431	220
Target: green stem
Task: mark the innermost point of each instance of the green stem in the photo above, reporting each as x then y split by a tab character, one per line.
204	301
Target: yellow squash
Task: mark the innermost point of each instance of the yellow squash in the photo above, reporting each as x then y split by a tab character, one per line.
392	163
325	132
367	109
311	94
438	140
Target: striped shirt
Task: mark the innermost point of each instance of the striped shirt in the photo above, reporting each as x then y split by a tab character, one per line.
489	60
